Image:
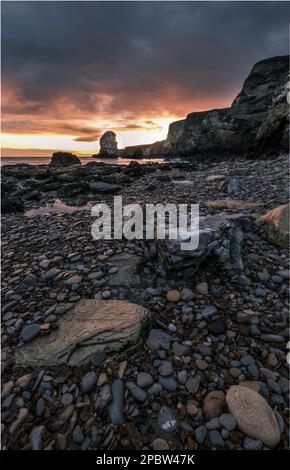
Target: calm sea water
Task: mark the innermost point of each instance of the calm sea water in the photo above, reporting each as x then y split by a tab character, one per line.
84	160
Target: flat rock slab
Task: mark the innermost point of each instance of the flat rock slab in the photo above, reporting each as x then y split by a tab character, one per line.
232	204
183	183
128	270
215	177
92	326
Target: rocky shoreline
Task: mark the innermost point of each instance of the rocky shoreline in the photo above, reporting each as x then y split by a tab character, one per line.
212	349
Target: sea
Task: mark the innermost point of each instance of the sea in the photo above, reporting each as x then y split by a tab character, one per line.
84	160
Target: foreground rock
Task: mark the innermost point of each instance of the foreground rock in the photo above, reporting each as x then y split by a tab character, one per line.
63	159
253	414
92	326
218	237
277	225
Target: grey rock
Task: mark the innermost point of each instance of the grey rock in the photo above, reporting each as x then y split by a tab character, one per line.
169	383
166	368
36	437
263	277
77	435
208	311
30	332
228	421
138	393
200	434
106	294
185	426
271	338
254	371
244	281
247	360
116	407
180	349
182	376
155	389
276	279
44	263
88	382
252	444
67	399
233	186
214	423
144	379
172	328
22	415
216	439
29	282
128	270
192	384
187	294
101	187
51	274
160	338
219	237
39	407
167	419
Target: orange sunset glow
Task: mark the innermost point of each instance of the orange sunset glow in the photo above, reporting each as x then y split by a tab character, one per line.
41	134
133	68
41	142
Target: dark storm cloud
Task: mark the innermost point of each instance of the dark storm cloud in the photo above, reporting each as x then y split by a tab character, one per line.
133	58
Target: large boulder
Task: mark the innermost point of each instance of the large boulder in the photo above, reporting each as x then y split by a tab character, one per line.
253	414
92	326
276	224
63	159
108	145
220	238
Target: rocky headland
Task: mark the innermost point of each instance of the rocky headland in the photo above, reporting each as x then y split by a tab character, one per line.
255	125
135	344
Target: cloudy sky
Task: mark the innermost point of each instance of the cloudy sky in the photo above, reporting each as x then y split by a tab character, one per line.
71	70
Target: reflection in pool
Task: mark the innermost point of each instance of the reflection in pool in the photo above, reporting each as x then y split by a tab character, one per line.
58	207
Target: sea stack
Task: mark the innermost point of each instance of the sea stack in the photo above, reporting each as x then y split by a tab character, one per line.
108	145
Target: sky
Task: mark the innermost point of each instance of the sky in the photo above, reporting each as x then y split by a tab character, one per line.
72	70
